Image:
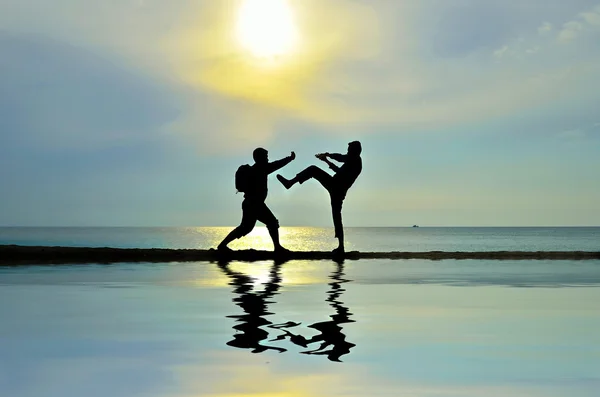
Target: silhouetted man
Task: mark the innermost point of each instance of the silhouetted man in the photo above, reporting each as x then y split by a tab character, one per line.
254	207
337	185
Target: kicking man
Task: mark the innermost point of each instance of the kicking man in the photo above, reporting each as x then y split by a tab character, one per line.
254	207
337	185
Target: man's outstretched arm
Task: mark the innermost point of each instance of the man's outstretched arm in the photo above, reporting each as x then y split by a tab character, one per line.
277	164
334	167
335	156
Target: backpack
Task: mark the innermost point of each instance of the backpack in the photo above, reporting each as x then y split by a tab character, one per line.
243	177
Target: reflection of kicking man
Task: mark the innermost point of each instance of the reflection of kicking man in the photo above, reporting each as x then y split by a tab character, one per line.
332	340
337	185
331	331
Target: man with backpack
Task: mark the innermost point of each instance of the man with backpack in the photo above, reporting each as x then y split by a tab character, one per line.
252	181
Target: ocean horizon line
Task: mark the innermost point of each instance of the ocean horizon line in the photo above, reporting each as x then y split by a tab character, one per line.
289	226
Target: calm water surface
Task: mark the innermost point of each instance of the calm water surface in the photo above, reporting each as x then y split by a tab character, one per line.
314	238
362	328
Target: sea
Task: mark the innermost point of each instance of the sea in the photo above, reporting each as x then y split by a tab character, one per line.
372	327
370	239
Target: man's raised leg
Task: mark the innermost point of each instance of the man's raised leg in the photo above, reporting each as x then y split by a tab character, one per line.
310	172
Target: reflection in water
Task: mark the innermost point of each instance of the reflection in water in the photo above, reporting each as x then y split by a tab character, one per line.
254	305
250	332
331	331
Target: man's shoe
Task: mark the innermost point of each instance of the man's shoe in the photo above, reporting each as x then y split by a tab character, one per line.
282	251
224	249
338	251
285	182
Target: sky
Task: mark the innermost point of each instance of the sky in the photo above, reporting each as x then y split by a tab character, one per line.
138	112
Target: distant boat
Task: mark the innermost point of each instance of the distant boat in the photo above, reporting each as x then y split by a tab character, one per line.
415	226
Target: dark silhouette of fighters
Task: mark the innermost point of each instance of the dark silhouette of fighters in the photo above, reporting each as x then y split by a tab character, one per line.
254	207
337	185
252	327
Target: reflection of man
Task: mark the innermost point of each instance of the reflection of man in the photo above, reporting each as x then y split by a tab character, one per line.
254	207
337	185
331	331
333	343
249	333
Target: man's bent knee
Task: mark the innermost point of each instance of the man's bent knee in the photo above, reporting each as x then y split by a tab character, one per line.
273	225
308	172
243	230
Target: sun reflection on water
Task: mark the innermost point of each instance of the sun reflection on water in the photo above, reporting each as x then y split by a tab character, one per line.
293	238
295	273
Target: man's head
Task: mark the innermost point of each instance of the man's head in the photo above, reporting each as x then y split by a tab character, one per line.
260	155
354	148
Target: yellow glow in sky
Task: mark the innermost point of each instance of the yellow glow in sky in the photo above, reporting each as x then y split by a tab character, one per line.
266	28
269	60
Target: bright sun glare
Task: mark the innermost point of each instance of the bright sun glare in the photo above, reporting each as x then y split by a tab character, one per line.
266	28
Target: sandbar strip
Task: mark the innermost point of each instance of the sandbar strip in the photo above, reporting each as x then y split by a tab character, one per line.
12	255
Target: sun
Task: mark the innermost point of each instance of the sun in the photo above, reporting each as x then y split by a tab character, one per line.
266	28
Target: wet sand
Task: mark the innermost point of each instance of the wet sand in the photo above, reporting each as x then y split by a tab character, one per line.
15	255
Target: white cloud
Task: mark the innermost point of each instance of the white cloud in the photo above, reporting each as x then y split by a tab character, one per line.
545	28
372	69
584	21
570	31
592	17
499	53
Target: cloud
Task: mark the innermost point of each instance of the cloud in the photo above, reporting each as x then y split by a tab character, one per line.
59	95
361	66
585	21
206	57
223	125
470	26
188	47
499	53
570	31
592	17
545	28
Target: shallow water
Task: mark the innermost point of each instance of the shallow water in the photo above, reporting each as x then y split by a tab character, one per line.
409	328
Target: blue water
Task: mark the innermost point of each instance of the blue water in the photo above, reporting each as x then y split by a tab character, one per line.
311	238
400	328
422	328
